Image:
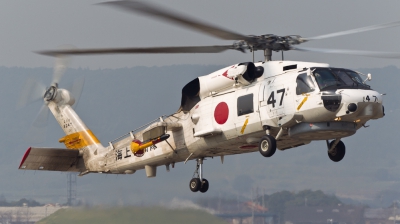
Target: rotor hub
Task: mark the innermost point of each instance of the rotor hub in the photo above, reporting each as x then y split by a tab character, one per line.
50	93
273	42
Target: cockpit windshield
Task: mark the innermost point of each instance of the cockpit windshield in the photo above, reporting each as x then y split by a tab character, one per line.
338	78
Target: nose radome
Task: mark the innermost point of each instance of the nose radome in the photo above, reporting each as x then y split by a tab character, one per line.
361	104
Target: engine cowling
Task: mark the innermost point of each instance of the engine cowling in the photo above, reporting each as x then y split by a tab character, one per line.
203	86
243	74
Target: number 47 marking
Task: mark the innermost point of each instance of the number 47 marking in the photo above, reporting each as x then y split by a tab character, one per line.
271	98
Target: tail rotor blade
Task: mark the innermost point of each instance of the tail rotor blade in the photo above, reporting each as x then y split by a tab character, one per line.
32	91
42	117
37	131
76	90
59	68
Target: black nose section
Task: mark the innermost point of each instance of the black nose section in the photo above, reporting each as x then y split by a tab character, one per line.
331	102
352	107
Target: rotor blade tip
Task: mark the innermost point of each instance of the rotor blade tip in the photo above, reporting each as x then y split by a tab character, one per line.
47	53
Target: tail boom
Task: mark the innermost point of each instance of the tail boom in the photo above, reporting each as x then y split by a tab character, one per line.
78	135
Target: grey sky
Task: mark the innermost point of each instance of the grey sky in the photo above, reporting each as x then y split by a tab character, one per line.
36	25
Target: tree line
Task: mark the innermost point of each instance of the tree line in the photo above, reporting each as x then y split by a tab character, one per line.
19	203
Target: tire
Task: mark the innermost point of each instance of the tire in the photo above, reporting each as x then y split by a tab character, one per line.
267	146
338	152
204	186
195	184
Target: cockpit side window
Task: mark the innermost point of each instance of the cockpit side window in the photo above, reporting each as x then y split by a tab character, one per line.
344	77
351	78
304	84
355	76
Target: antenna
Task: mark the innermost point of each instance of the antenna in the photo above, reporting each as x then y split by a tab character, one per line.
71	188
263	196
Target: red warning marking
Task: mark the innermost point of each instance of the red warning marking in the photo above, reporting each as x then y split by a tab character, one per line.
247	146
74	141
137	141
25	156
139	153
221	113
226	74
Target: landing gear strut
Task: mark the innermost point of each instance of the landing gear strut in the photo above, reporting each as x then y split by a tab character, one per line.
336	150
198	183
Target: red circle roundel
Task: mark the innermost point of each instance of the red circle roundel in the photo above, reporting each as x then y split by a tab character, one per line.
221	113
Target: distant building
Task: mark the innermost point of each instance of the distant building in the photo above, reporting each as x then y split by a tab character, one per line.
382	216
243	213
25	214
343	214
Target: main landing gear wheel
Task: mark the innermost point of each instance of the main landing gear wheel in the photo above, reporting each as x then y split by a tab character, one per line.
267	146
204	186
195	184
337	153
198	183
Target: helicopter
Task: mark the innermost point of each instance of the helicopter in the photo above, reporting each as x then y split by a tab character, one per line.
242	108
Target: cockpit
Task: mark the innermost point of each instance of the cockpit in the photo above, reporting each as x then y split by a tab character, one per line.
338	78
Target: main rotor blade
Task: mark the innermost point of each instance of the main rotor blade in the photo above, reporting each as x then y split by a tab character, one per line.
358	30
163	14
149	50
375	54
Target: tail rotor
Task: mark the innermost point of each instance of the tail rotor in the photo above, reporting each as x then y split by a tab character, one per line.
34	91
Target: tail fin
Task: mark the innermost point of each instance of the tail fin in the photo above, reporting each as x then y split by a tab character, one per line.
78	135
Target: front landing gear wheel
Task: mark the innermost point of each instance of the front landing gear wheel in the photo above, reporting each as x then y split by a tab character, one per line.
336	154
204	186
195	184
267	146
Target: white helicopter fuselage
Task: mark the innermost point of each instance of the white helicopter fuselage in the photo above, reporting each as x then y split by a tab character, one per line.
230	118
226	112
242	108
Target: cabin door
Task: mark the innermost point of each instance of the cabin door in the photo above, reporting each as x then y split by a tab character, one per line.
247	113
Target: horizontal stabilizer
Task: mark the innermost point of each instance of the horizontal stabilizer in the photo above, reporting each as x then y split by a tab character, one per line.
52	159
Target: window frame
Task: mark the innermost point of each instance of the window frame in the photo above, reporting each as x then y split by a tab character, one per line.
243	104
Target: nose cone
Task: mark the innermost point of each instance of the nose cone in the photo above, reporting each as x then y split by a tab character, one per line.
359	104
